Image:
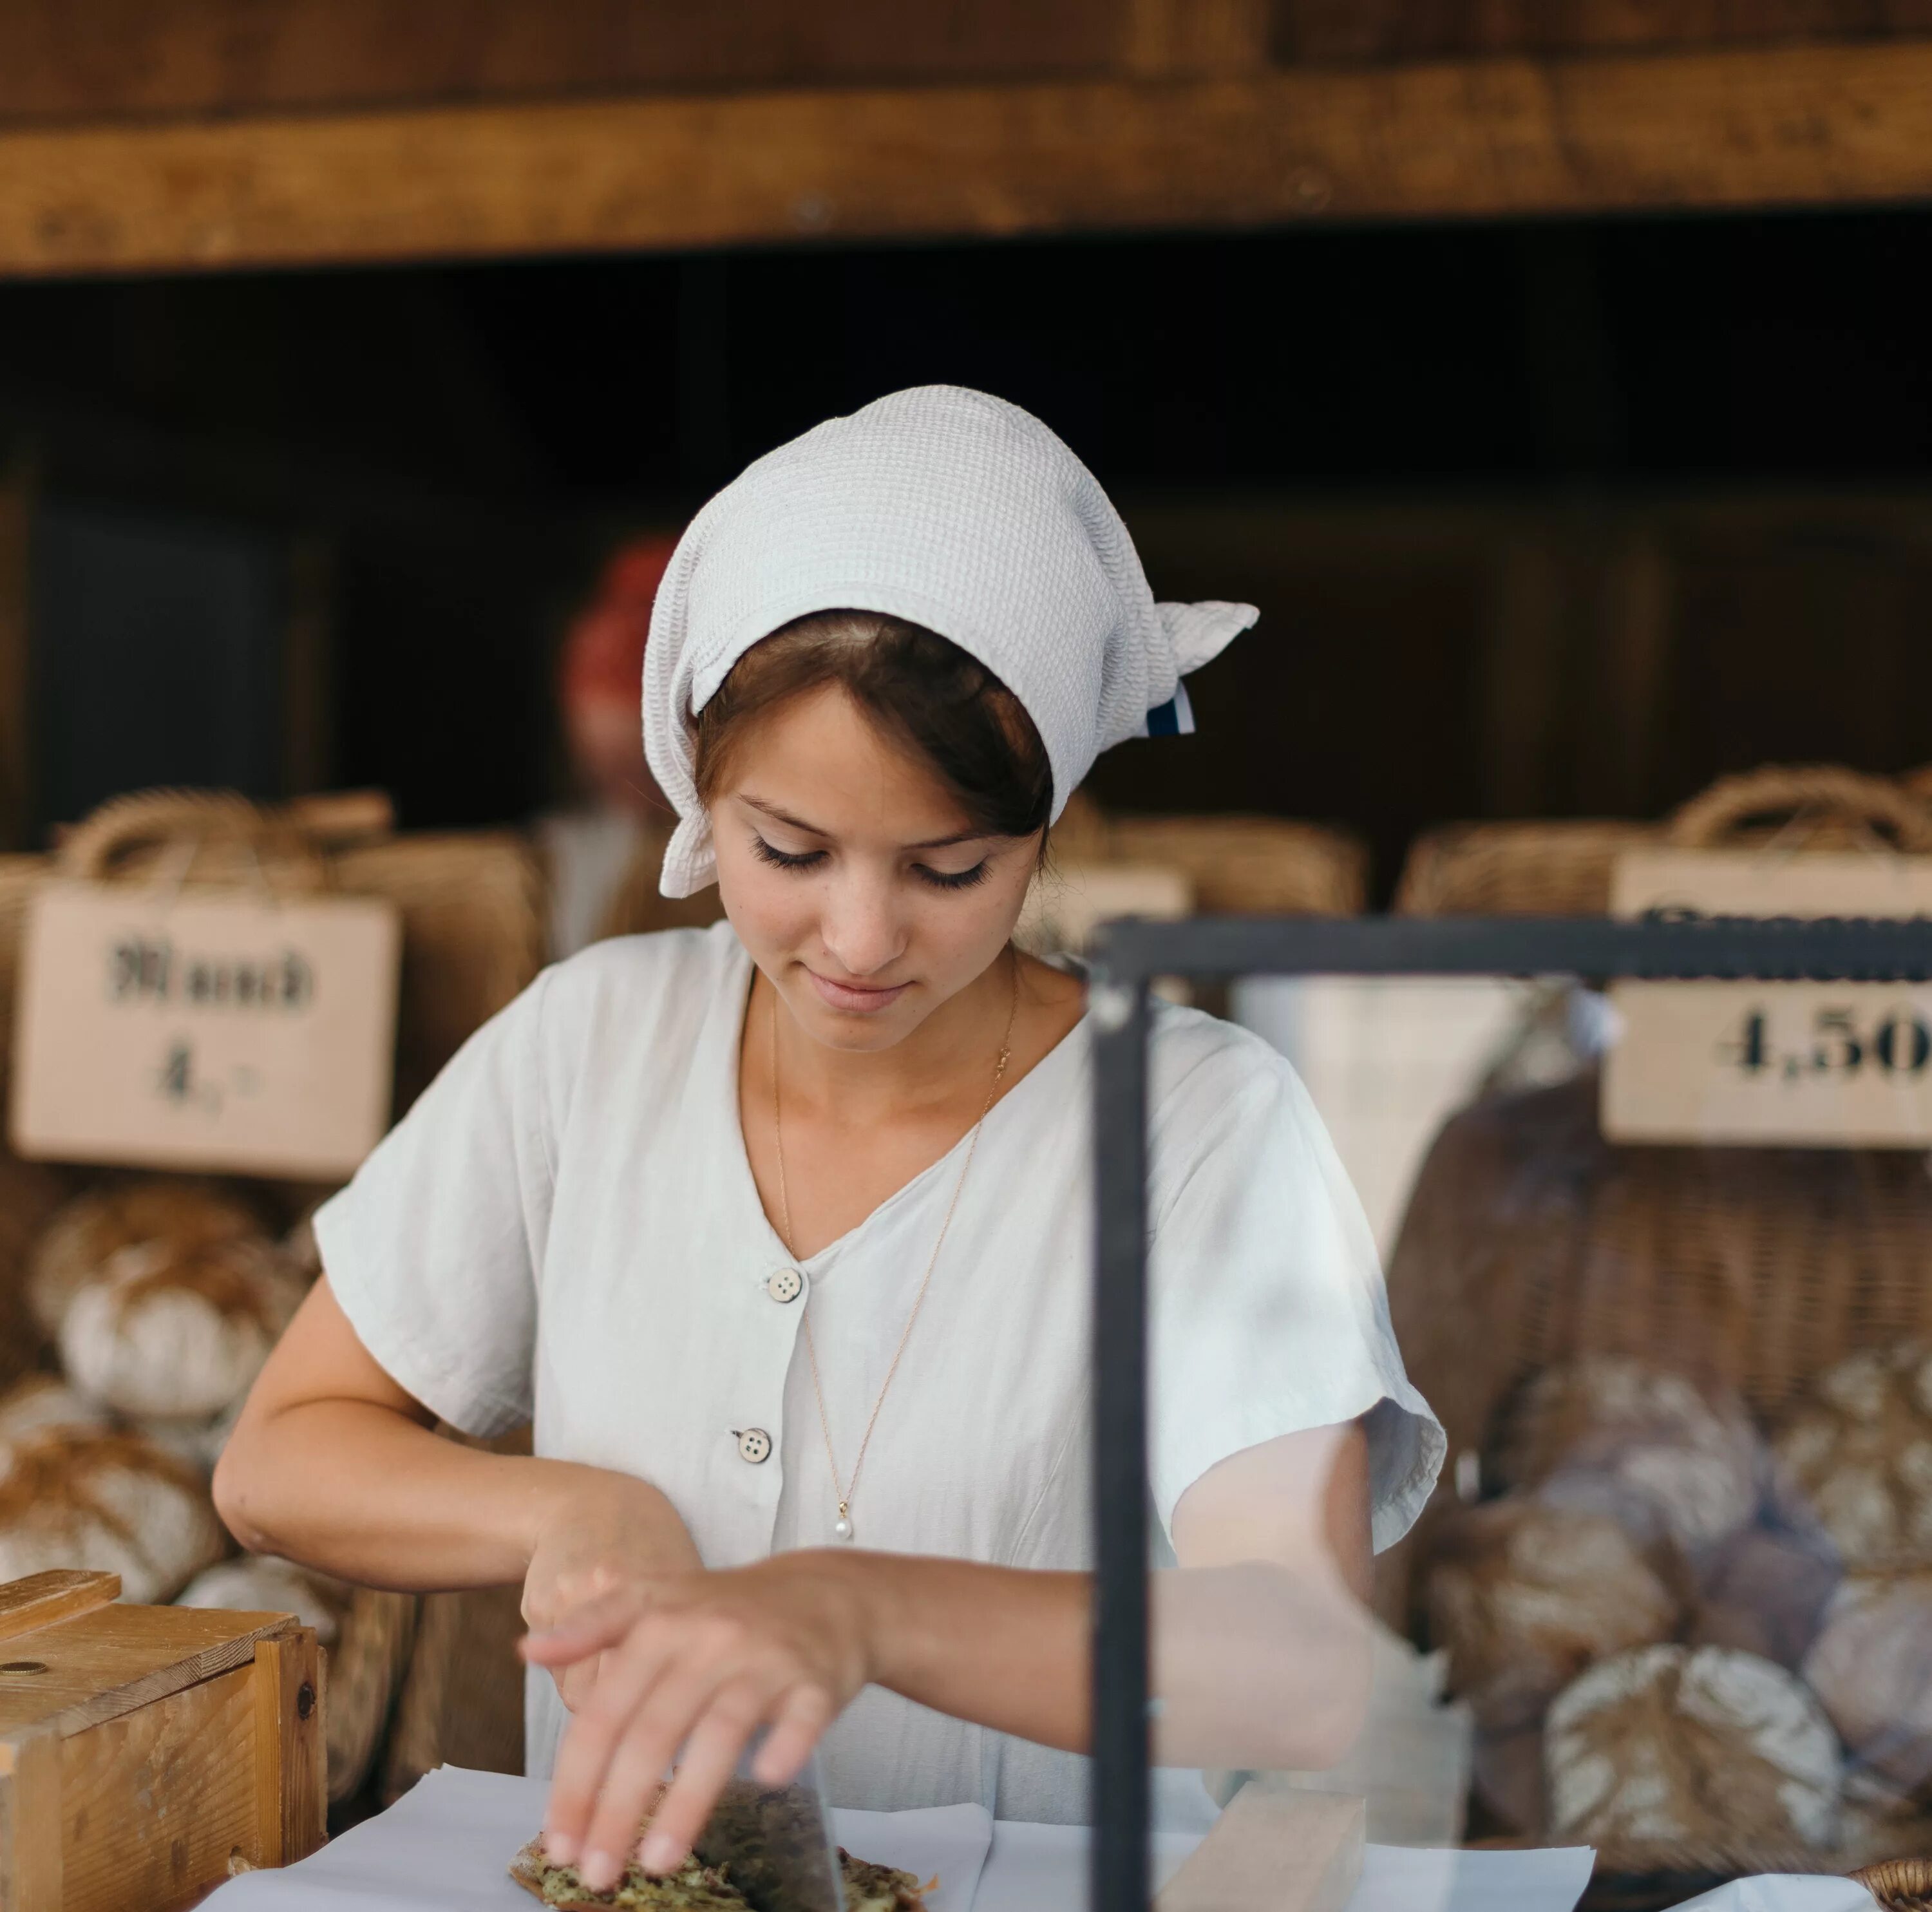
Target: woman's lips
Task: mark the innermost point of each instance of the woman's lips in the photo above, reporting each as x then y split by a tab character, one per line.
855	997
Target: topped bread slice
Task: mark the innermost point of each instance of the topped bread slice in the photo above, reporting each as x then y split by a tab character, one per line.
696	1887
693	1887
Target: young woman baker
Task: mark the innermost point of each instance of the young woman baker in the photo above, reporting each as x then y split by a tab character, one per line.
780	1229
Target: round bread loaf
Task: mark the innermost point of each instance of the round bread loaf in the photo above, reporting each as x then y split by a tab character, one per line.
1859	1454
1871	1667
183	1214
258	1583
166	1331
1525	1596
1691	1749
1664	1454
84	1497
41	1401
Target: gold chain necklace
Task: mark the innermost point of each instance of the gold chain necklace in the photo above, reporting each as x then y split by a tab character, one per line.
842	1527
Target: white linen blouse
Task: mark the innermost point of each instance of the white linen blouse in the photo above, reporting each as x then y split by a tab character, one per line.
565	1226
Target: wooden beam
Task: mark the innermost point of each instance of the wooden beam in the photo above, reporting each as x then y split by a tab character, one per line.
1792	126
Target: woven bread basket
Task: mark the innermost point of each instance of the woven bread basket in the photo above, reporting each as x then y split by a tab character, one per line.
1234	864
1899	1885
1565	868
1529	1240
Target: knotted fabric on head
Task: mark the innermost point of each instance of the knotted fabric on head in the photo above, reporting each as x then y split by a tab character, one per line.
950	509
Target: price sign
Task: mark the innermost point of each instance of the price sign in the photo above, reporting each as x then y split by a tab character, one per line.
1814	1064
213	1033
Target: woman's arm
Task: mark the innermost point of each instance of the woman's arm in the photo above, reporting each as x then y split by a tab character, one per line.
333	1464
1260	1651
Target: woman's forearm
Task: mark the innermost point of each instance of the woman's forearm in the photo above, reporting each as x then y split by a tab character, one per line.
1253	1665
1003	1647
358	1491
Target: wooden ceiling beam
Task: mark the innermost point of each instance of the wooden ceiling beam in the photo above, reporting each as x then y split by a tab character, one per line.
1763	126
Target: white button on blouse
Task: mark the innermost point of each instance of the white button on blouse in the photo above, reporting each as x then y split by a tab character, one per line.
565	1225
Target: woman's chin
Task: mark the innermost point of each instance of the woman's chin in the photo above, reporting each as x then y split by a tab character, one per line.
857	1022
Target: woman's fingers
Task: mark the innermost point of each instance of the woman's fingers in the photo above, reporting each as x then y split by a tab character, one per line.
584	1756
711	1752
655	1704
798	1724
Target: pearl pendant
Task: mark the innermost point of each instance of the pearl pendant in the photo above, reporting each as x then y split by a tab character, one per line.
841	1528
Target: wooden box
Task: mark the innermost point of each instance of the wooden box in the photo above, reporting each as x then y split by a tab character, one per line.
148	1753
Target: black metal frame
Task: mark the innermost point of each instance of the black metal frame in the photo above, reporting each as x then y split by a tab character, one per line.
1127	956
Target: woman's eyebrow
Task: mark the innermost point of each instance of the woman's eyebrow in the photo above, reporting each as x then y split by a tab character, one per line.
778	815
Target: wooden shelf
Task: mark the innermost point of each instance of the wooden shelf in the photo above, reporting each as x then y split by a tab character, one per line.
1760	127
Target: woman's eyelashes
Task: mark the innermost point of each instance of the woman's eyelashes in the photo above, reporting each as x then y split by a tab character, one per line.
805	859
961	879
767	853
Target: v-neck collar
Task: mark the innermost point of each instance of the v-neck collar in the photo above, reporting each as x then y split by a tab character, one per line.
738	992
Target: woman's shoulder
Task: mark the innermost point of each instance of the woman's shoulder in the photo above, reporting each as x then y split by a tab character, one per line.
1191	1053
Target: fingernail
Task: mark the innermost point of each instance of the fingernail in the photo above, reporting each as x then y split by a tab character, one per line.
659	1853
599	1871
559	1848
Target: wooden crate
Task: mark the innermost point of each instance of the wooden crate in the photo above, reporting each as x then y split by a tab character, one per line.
149	1753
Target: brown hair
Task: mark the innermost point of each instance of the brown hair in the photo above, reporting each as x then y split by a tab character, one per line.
923	690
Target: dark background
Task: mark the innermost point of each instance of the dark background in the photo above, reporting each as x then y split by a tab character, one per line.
1542	519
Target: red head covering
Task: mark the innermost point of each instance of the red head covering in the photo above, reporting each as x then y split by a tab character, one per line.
603	660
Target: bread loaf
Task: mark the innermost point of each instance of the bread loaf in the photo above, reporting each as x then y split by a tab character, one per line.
1525	1596
257	1582
186	1215
1704	1750
41	1401
1668	1456
1860	1453
73	1497
1871	1668
1765	1590
178	1332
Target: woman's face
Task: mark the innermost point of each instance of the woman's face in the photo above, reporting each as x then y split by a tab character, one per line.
853	878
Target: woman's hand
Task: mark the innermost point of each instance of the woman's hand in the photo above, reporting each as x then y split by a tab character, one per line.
700	1662
601	1534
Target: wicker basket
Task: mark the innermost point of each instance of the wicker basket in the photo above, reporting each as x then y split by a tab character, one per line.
1236	865
471	939
1899	1885
1530	1240
1565	868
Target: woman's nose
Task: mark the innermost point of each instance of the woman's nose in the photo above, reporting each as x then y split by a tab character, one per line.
861	930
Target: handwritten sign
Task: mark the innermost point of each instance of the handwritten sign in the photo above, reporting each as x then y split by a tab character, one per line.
214	1033
1813	1064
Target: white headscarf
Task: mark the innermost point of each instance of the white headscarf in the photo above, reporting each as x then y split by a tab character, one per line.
949	510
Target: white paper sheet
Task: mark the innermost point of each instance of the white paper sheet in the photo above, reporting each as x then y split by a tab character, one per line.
445	1847
1043	1869
1784	1892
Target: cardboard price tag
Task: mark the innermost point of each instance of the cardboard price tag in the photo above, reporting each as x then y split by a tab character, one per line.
199	1032
1809	1064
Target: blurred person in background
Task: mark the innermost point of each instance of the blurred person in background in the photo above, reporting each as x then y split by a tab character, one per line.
602	857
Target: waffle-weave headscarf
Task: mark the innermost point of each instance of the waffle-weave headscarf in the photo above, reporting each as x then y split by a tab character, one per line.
949	510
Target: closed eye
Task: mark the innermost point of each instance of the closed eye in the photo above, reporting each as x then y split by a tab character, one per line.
962	879
785	859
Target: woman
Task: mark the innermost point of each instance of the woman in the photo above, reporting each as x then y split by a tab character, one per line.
780	1228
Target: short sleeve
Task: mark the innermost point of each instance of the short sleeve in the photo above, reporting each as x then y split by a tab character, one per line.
1268	1312
434	1249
